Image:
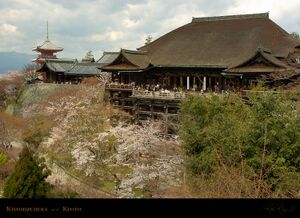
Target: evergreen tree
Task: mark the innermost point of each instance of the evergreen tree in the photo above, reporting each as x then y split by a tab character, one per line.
148	40
295	35
28	178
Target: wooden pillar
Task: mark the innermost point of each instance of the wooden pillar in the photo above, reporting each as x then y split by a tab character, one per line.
129	78
122	100
166	118
111	100
151	109
121	79
137	110
181	82
175	81
223	83
194	81
209	82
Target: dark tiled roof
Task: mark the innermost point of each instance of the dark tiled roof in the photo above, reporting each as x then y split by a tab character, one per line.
230	17
219	41
84	69
108	57
71	67
58	65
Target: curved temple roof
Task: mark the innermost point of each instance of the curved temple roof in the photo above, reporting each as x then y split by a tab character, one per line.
128	60
219	41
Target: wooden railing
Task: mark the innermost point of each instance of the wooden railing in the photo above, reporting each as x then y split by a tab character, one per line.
118	86
158	94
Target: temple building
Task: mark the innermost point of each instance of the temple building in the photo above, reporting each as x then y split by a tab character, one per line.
213	53
65	70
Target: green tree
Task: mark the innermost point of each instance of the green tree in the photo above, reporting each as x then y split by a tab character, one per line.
28	178
295	35
148	40
261	138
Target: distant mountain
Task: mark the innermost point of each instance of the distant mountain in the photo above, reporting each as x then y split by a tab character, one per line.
13	61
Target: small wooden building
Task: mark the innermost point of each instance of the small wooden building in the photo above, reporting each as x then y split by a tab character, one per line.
68	70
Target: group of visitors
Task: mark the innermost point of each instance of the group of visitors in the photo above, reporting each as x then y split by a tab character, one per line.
157	89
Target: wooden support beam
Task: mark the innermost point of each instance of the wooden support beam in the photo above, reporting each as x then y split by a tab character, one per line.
169	81
121	79
166	118
200	80
194	81
175	81
181	81
151	109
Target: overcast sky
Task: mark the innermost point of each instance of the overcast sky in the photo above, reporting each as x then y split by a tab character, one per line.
108	25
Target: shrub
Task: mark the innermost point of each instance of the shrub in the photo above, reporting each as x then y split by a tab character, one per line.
3	158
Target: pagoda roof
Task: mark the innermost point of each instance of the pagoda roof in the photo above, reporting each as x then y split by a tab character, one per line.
48	46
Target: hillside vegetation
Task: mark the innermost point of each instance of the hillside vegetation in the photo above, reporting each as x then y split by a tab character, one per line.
85	141
226	147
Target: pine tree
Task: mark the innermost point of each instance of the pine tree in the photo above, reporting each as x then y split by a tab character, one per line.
148	40
28	178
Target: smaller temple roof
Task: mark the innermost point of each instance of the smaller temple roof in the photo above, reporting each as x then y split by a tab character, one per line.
128	60
262	61
47	45
70	67
138	58
84	69
108	57
58	65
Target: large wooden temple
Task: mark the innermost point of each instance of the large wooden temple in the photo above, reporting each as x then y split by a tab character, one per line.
220	54
212	53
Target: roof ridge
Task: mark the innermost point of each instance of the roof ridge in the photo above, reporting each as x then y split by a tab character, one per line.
263	49
230	17
61	60
110	52
133	51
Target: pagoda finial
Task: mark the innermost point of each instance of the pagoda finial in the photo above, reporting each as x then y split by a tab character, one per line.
47	32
